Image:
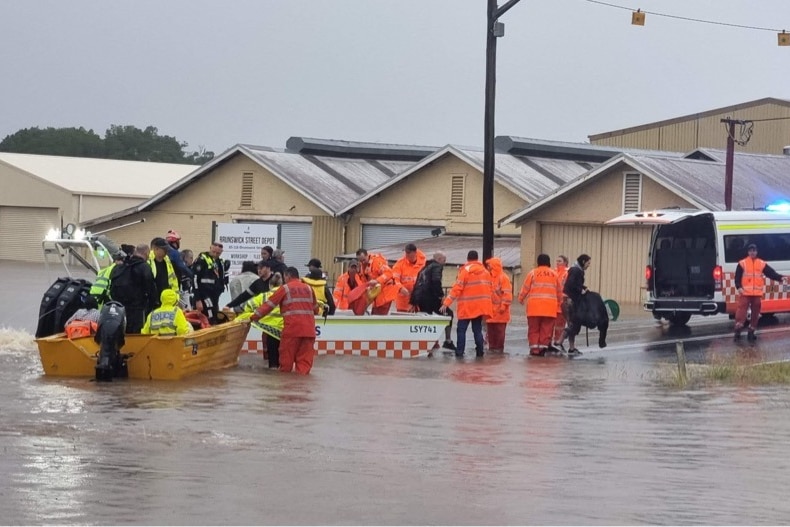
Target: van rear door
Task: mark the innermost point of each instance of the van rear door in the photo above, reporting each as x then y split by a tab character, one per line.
656	217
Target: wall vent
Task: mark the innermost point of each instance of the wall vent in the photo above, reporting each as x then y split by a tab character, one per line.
457	193
246	190
632	193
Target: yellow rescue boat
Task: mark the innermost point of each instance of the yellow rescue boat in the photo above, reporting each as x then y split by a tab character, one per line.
148	356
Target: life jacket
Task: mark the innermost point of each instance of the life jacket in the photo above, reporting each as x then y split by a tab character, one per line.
319	288
197	319
752	282
272	323
172	279
80	328
100	289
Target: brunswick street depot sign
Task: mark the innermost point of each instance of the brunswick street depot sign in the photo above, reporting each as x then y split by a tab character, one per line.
243	241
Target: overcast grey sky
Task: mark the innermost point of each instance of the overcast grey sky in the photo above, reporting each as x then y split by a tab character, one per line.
217	73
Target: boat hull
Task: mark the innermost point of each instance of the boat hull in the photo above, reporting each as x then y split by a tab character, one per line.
150	357
395	336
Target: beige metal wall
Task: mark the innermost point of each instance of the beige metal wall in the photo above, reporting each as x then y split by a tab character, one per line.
216	197
89	207
327	243
424	199
19	189
768	137
574	224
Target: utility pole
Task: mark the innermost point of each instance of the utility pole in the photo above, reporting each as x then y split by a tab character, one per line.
494	30
730	159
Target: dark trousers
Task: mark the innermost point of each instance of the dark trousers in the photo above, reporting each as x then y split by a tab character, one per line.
210	307
477	331
273	350
135	319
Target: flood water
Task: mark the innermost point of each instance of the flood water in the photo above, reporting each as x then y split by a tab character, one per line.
502	440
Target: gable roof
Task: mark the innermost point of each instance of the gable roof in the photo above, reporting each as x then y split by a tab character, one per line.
527	177
99	177
758	180
328	182
690	117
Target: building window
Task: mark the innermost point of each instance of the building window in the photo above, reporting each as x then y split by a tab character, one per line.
246	190
632	193
457	189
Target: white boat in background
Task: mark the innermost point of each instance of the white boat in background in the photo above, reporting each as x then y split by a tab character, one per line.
393	336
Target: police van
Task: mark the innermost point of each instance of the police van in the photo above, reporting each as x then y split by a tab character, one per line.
693	255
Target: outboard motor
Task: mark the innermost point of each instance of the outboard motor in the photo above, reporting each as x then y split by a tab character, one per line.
110	336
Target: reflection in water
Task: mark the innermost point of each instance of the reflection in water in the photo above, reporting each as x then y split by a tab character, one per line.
504	440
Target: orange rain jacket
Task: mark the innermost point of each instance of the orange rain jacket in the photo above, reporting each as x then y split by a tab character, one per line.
562	274
502	292
378	270
298	306
543	292
405	275
472	290
342	290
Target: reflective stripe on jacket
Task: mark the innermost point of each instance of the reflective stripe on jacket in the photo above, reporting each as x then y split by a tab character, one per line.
404	273
167	320
297	304
100	289
542	291
753	282
377	269
472	291
271	324
172	279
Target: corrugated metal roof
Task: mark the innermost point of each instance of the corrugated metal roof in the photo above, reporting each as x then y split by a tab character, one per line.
109	177
758	180
455	247
546	148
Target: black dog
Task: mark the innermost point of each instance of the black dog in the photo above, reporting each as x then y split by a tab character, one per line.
590	311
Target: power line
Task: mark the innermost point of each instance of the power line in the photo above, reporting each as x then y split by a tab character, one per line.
687	19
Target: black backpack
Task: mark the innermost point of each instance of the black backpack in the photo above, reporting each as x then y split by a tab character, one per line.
122	284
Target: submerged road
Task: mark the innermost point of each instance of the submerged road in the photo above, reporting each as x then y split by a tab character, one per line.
502	440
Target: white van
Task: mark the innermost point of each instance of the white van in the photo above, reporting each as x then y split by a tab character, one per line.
693	255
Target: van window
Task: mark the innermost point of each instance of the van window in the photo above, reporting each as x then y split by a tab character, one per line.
770	247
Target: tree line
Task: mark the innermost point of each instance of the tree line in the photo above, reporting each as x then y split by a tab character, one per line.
119	142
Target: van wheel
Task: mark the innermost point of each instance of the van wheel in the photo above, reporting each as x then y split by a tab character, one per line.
679	319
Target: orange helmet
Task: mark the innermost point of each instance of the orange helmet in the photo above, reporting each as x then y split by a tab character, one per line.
173	236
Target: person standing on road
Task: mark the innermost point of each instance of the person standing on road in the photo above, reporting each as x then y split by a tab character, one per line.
750	283
298	306
472	290
501	299
542	292
428	293
572	291
559	324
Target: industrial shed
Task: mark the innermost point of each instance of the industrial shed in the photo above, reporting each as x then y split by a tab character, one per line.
39	193
770	132
571	219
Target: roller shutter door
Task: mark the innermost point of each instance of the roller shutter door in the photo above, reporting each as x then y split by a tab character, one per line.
296	240
573	240
22	229
374	236
623	260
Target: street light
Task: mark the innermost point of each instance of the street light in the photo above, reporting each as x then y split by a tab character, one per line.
494	30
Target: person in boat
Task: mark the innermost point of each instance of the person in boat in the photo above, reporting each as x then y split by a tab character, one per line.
404	274
243	280
501	299
162	267
428	293
271	325
472	291
316	278
168	319
132	284
209	281
346	283
375	271
542	292
261	285
183	272
298	306
84	321
100	289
